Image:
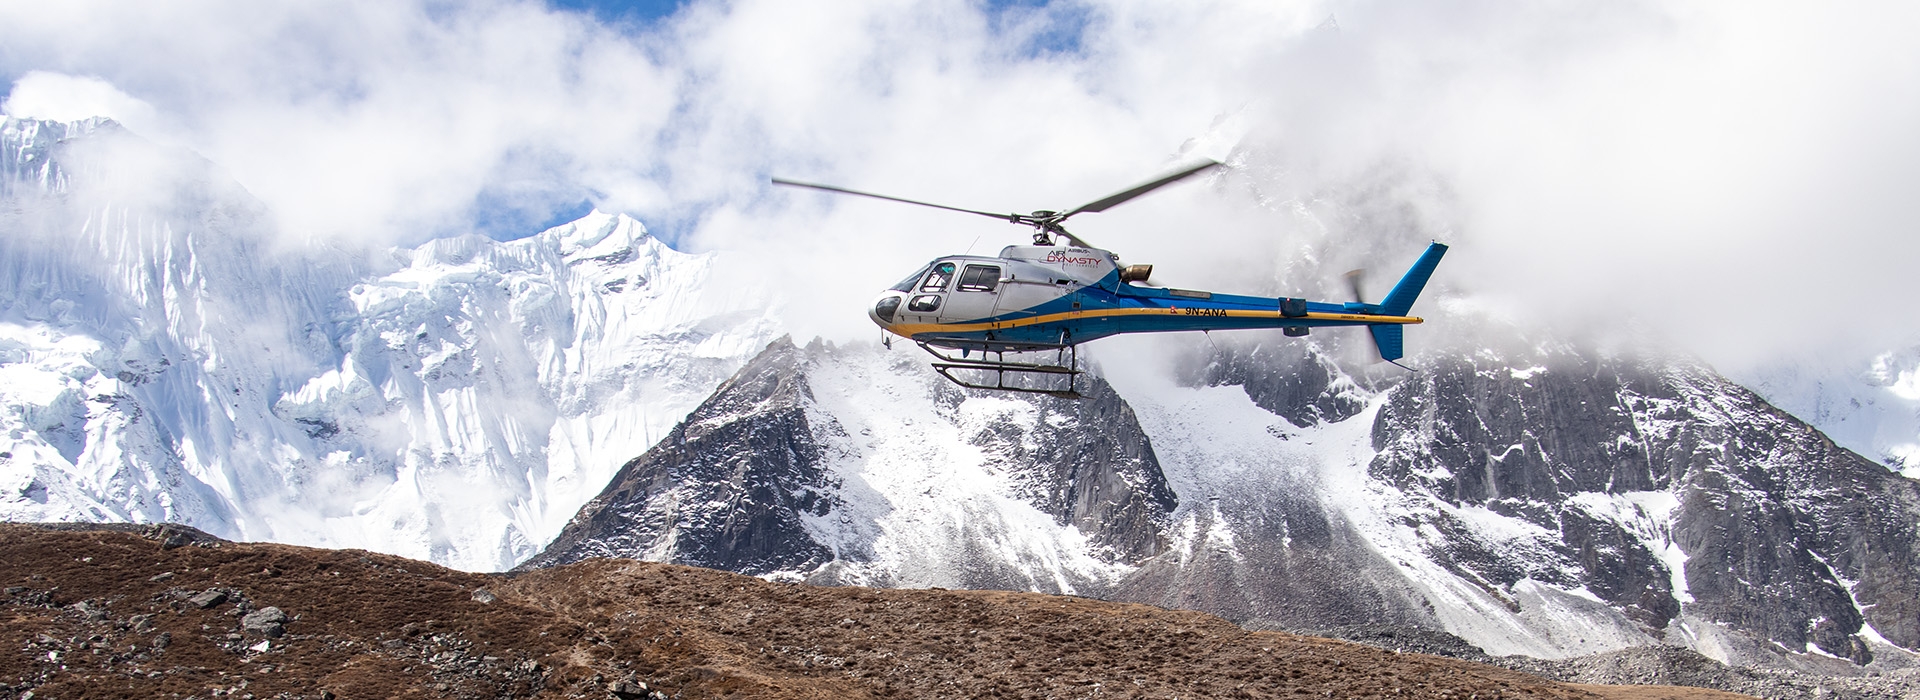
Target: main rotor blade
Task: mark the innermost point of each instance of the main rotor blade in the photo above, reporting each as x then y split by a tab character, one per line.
1119	197
842	190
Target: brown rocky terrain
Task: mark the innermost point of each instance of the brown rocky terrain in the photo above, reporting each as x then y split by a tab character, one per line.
167	612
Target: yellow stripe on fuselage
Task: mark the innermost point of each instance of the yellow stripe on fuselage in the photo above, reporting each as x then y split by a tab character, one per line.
909	330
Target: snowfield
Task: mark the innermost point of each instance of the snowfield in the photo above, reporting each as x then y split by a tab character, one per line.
455	402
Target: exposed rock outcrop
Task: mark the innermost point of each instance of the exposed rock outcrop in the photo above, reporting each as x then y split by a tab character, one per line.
1086	463
724	490
765	478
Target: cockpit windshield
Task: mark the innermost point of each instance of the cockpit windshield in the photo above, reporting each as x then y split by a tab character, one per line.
906	285
937	282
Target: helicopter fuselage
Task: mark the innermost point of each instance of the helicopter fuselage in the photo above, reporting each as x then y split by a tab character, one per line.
1048	296
1045	297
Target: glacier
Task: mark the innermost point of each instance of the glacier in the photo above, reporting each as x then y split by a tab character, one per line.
167	355
1867	403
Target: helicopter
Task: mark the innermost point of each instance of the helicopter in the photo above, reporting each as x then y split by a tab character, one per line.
1059	292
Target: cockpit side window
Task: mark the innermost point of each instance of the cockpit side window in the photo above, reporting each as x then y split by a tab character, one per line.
906	285
979	278
938	280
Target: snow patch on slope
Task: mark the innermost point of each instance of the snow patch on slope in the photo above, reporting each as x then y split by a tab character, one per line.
1870	405
44	384
1648	516
1214	442
921	505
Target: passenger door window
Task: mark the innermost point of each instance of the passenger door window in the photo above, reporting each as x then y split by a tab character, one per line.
979	278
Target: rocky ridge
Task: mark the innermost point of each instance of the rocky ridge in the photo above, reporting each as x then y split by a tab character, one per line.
726	489
1682	500
106	613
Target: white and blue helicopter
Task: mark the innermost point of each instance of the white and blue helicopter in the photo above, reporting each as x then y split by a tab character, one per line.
1051	296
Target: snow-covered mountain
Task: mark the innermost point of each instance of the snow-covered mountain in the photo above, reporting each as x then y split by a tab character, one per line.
1523	465
1530	494
854	465
166	356
1548	497
1870	405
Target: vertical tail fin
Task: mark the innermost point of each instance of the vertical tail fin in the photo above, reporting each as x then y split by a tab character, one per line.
1400	300
1390	338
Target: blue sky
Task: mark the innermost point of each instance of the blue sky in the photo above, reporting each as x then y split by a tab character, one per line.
644	12
641	12
506	220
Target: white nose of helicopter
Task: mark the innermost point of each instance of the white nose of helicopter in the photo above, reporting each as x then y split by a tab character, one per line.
886	308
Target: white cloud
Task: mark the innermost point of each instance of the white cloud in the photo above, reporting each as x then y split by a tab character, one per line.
66	98
1740	177
373	121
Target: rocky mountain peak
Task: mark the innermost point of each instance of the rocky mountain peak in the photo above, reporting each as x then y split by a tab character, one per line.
28	151
726	489
775	474
1652	483
166	358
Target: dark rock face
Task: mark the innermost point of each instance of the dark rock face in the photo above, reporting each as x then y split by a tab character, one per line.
1517	436
1087	463
1294	561
1291	379
1774	520
724	490
733	486
1777	521
1475	431
1619	568
1292	565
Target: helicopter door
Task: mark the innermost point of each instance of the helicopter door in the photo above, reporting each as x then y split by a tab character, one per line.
973	296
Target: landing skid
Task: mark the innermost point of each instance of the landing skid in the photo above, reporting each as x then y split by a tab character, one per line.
1069	356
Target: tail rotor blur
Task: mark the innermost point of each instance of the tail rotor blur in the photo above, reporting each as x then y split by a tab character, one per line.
1354	279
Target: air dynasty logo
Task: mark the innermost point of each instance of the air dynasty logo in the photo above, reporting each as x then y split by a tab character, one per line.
1070	258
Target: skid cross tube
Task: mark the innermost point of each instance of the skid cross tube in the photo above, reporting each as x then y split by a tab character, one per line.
1070	354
